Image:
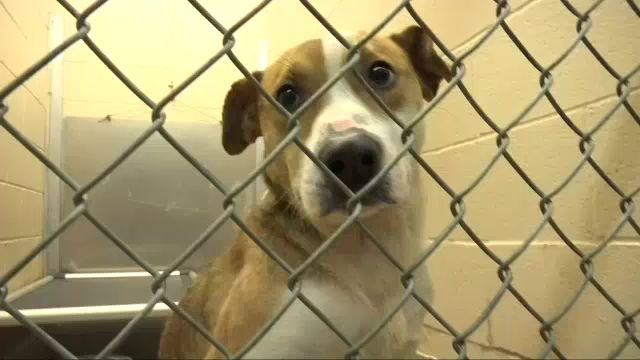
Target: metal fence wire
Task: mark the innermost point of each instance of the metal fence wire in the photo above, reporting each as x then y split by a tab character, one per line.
586	147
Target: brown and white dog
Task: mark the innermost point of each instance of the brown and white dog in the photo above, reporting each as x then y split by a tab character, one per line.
353	284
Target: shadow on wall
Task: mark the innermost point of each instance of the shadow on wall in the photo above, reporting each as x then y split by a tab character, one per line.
617	149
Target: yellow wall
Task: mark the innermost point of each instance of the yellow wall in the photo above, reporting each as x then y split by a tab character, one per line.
503	211
157	43
24	36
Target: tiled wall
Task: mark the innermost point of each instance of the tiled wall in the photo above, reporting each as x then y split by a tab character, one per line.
23	39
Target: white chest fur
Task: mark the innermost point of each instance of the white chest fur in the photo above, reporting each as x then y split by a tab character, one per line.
360	288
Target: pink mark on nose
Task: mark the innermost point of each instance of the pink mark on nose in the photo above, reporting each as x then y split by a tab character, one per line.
342	125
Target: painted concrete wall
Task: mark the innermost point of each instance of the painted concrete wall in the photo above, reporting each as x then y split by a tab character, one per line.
23	39
503	210
158	44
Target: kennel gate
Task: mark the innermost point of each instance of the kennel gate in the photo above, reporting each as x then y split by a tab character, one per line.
158	128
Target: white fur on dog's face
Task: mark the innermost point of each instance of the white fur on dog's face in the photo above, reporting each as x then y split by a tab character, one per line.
344	104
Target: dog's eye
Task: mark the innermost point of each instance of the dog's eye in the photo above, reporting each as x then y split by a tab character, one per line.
381	74
288	97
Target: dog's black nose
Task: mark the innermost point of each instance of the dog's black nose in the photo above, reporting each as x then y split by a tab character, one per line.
354	160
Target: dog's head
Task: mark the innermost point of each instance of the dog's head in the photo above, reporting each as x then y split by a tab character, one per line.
344	128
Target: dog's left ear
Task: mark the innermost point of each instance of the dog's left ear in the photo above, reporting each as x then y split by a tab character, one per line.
428	65
240	121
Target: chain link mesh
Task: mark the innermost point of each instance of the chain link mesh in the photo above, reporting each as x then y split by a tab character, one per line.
457	202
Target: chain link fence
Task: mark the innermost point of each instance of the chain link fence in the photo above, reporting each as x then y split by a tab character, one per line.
586	147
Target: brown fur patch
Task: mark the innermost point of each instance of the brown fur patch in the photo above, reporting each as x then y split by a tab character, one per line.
430	68
405	90
303	67
240	122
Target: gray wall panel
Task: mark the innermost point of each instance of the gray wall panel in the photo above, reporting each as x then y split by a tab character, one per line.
155	201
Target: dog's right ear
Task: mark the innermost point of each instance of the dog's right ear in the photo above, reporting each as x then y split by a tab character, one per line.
240	122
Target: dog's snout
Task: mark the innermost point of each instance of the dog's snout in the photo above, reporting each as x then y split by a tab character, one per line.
354	160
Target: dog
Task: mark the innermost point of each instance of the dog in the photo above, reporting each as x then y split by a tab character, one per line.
353	284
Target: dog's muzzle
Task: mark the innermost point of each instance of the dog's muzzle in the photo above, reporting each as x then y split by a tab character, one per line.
355	157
